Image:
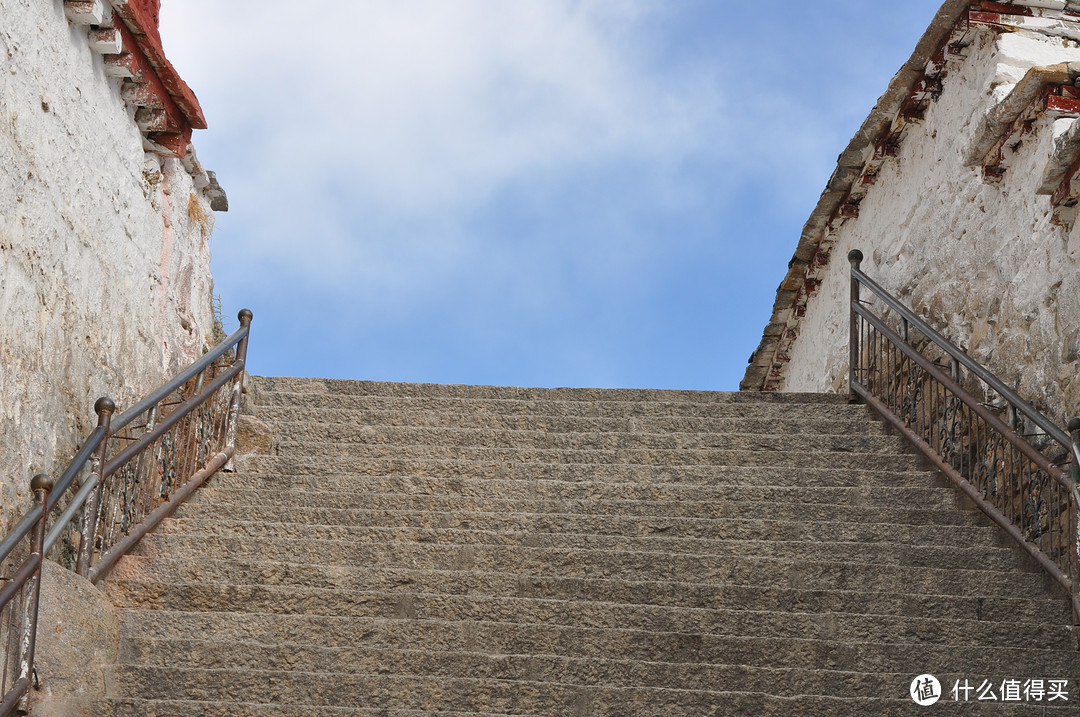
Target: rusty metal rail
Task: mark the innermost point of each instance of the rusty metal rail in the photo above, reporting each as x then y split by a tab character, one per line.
1013	462
138	468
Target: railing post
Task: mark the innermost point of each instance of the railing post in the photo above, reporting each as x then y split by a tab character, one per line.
104	408
855	257
245	317
233	415
1074	433
42	485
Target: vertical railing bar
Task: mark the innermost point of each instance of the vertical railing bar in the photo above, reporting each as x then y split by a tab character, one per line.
854	257
104	408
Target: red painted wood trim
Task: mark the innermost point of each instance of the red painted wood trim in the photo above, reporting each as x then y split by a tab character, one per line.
145	73
141	20
1063	104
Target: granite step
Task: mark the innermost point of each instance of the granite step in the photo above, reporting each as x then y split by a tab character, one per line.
946	557
750	455
284	417
879	654
350	491
795	474
868	600
739	621
434	505
347	435
765	572
738	406
486	695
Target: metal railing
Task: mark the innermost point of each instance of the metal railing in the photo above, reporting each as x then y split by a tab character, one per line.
138	467
1014	463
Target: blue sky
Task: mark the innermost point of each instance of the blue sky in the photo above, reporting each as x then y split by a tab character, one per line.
522	192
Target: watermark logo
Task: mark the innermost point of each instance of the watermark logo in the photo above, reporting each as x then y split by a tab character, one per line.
925	690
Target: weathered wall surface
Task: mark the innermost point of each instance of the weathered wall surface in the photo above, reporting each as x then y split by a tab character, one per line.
105	282
983	259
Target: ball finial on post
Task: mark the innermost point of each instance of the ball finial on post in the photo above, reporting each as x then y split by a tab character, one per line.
42	481
1074	425
855	257
104	405
245	316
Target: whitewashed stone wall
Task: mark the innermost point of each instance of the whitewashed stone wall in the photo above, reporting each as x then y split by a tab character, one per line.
105	283
983	260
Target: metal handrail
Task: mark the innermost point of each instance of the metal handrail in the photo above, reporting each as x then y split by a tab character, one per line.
187	374
29	520
972	365
176	445
94	440
1014	486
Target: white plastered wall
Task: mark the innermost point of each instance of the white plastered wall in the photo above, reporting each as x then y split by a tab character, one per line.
981	259
105	283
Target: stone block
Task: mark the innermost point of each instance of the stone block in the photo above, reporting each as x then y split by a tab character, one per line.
78	639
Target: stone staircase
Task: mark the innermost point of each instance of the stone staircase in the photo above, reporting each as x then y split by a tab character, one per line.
404	549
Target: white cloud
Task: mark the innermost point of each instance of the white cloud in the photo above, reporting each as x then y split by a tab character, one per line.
422	104
401	118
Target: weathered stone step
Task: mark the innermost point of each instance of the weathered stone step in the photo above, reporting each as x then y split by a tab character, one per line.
309	657
190	708
737	620
769	529
775	457
872	655
612	565
280	418
348	435
715	522
485	695
587	517
338	472
352	508
869	600
734	704
351	492
549	669
263	385
314	404
991	556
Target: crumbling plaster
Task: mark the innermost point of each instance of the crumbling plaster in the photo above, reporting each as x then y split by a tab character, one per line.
105	282
983	259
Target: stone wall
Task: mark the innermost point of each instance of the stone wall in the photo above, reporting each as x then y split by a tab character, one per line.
105	283
967	235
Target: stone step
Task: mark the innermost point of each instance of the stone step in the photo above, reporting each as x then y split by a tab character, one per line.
599	564
340	472
352	434
749	456
735	703
264	385
868	600
763	529
220	508
309	657
191	708
280	418
486	695
351	492
876	654
314	404
530	667
999	556
736	621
